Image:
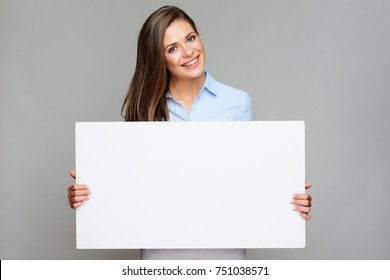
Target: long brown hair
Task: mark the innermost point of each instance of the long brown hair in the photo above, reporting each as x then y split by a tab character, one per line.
146	99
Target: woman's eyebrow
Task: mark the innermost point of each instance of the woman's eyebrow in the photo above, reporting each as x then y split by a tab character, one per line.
175	43
172	44
189	34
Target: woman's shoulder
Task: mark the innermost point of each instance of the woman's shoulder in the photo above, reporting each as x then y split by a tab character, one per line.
226	91
232	100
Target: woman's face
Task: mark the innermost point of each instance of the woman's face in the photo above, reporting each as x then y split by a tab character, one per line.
183	51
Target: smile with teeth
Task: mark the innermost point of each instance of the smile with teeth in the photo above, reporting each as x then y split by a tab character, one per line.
192	62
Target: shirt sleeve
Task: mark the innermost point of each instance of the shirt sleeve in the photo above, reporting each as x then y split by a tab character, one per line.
248	112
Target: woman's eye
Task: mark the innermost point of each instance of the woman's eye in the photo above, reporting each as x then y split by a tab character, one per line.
172	49
192	38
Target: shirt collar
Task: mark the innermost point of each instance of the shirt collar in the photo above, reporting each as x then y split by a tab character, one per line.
209	85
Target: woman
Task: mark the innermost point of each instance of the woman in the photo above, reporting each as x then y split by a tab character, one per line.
170	84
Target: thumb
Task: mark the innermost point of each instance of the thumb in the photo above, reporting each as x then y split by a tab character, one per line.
73	174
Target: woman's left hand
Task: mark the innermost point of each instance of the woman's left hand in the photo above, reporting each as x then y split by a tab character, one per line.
302	203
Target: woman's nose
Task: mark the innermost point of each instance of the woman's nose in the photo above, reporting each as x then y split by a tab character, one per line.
187	51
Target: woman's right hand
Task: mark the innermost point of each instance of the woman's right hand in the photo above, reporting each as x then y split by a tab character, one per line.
77	193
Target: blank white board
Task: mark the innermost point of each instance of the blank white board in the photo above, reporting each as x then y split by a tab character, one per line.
190	184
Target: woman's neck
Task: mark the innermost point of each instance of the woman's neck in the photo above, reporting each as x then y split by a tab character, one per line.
187	89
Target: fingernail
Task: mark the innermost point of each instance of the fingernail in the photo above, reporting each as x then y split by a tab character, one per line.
295	208
292	201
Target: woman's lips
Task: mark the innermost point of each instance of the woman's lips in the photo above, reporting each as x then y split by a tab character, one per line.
191	63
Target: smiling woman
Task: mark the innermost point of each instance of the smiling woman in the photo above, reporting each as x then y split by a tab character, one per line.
167	41
185	59
170	84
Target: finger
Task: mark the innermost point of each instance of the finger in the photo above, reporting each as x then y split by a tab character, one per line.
75	205
77	187
79	192
307	185
302	202
79	198
305	216
303	209
73	174
302	196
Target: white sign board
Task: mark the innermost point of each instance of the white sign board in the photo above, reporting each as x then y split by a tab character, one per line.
190	184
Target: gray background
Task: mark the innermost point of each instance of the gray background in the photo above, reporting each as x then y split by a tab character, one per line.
325	62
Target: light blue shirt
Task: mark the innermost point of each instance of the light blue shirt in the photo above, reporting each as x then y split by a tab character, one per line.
215	102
